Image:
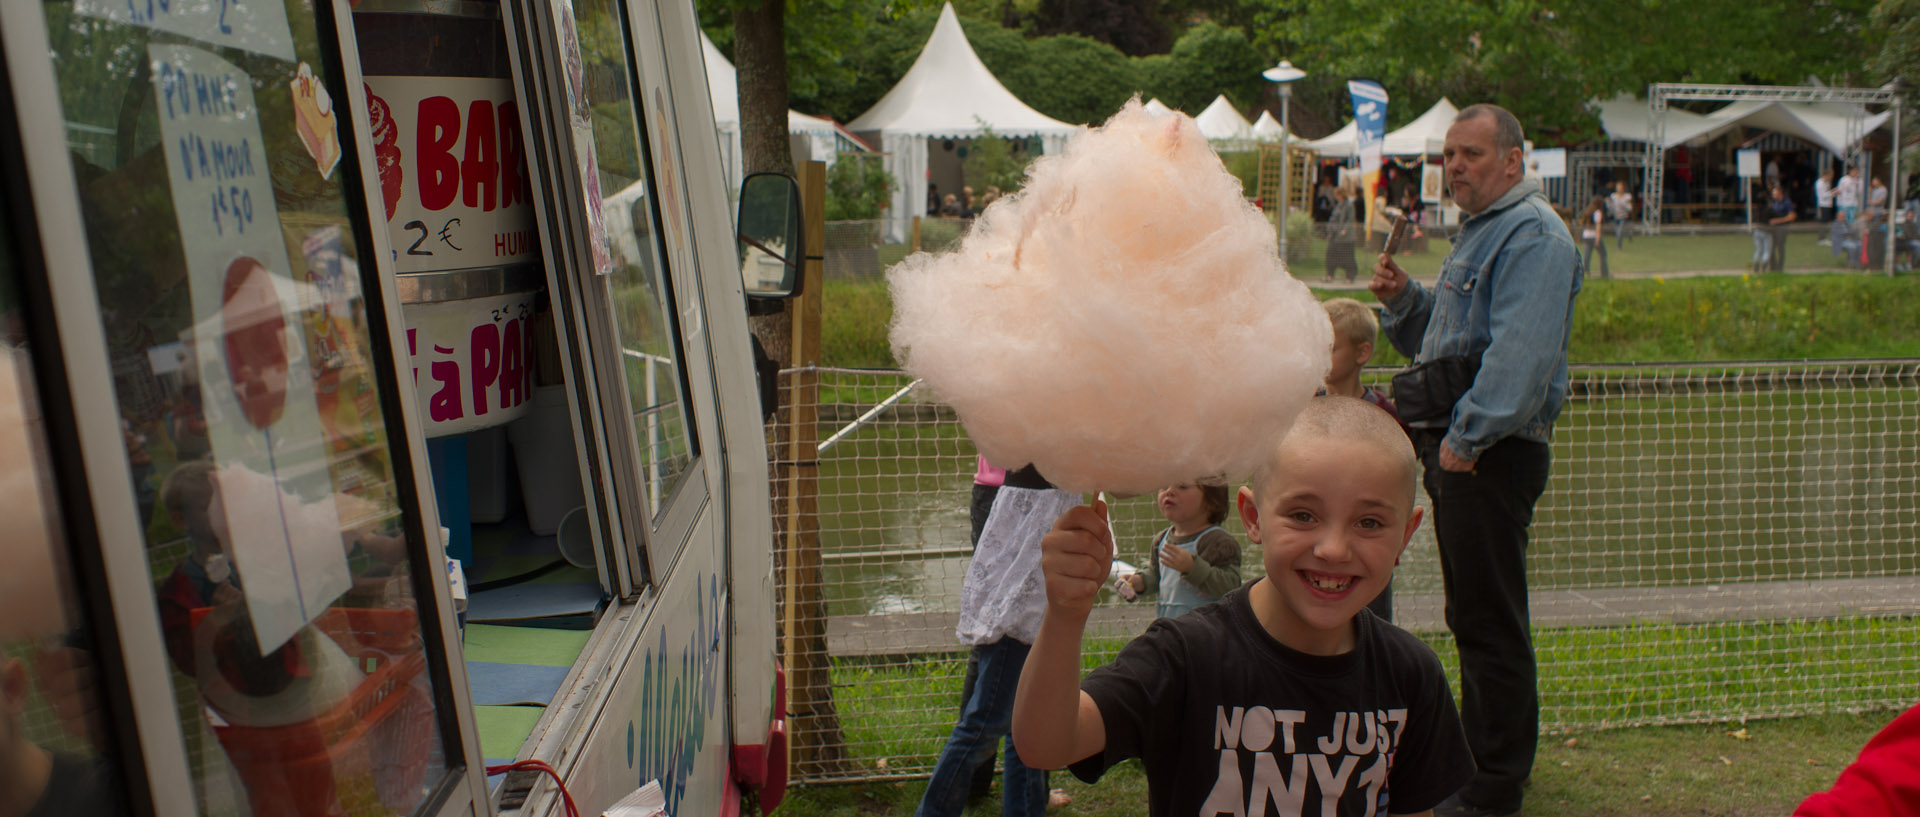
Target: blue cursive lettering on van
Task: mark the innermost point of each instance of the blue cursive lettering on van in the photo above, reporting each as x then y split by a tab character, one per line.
678	694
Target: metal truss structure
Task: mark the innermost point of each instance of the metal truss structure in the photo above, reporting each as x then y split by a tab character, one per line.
1580	167
1660	94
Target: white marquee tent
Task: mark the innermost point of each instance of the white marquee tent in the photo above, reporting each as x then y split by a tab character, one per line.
1341	144
1157	108
1224	126
948	94
1267	129
1424	136
1824	125
812	137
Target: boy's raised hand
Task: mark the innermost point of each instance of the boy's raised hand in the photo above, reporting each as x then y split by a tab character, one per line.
1076	557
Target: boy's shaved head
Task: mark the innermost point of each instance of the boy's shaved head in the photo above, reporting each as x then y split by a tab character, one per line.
1347	419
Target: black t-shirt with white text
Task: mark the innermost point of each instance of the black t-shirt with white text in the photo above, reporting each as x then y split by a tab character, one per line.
1228	720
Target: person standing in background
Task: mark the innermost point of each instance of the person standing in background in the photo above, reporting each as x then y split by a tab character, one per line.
1779	214
1341	236
1823	195
1620	206
1847	194
1500	315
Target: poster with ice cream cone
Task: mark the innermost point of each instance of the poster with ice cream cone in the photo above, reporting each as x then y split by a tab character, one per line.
274	500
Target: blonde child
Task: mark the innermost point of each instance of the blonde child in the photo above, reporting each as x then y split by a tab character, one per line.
1202	558
1286	694
1354	328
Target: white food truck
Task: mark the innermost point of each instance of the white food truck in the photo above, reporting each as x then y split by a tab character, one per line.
379	411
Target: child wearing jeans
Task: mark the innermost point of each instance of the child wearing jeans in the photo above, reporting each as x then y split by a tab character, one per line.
1201	559
1285	696
1000	604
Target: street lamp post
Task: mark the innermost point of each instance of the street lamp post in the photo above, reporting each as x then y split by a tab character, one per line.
1284	75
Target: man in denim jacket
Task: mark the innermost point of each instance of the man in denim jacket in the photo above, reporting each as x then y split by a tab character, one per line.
1504	297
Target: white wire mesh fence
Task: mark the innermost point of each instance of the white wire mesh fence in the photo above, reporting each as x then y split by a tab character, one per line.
1716	542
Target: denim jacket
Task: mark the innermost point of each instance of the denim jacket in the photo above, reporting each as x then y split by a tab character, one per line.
1505	295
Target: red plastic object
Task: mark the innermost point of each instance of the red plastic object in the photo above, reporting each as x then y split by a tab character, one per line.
367	755
764	765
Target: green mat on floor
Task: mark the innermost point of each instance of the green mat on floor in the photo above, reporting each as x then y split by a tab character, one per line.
504	728
525	645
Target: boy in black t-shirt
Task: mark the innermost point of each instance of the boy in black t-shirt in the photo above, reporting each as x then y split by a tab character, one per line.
1285	698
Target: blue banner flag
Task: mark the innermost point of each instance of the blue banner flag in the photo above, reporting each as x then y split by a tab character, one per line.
1370	120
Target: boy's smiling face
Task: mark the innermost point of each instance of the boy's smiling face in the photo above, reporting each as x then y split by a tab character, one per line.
1332	518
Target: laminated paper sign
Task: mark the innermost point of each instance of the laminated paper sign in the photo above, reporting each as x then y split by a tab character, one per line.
452	172
275	494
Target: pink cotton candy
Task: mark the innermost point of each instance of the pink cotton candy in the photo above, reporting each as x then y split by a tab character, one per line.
1123	323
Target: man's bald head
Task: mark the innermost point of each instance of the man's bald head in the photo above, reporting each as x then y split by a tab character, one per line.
1348	420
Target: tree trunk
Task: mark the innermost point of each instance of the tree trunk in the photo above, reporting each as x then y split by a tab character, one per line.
819	746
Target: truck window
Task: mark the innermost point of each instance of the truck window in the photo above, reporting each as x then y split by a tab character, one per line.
50	713
211	157
625	222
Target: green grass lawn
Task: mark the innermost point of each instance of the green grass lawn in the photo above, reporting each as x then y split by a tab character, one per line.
1622	320
1760	768
896	716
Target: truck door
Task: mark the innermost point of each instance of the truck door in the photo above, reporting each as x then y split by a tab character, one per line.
269	596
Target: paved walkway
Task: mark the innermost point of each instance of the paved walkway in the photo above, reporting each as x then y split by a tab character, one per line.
920	633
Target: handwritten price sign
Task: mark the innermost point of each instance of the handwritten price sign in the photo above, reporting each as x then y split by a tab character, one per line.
216	165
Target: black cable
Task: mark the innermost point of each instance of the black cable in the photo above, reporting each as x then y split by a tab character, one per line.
482	587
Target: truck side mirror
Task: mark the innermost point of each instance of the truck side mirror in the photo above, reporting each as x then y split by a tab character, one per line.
772	245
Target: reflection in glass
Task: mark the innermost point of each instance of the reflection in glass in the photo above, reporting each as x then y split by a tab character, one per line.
51	729
228	277
606	138
770	251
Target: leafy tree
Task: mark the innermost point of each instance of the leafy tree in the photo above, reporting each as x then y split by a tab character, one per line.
1103	78
1899	60
1133	26
994	161
857	188
1208	60
1545	59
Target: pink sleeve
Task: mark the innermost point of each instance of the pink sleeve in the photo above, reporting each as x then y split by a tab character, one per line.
985	474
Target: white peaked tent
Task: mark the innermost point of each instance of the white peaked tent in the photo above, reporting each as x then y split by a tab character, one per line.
1426	135
1341	144
813	137
1157	108
1267	129
947	94
1224	126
